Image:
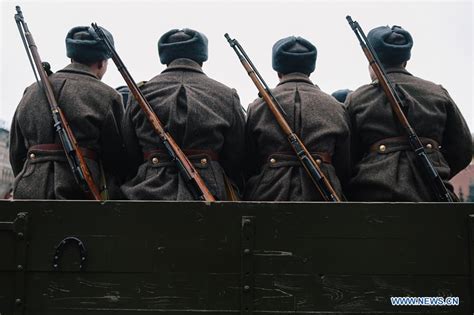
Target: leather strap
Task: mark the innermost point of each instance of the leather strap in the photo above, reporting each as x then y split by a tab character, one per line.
325	157
57	148
190	152
394	144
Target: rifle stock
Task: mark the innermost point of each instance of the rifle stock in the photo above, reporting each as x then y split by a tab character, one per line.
436	183
73	153
187	170
322	184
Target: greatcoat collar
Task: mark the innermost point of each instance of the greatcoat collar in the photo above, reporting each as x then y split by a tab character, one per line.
183	64
78	68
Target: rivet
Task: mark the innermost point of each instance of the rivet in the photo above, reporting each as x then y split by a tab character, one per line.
18	301
204	161
318	161
155	160
20	235
272	160
32	156
382	148
246	251
429	146
19	267
246	288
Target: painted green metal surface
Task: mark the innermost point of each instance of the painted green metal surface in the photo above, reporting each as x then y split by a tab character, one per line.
234	258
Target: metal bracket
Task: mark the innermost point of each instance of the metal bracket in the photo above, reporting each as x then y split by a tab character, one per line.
19	227
247	266
60	248
471	248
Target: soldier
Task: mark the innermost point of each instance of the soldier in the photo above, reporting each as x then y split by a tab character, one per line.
94	112
273	170
341	95
384	165
204	117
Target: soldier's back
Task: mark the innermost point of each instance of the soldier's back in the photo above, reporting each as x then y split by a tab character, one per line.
203	116
321	123
93	111
385	166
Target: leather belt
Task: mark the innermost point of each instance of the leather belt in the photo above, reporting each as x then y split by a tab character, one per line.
189	152
319	157
57	148
394	144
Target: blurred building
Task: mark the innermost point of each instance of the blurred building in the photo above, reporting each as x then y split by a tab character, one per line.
6	174
463	182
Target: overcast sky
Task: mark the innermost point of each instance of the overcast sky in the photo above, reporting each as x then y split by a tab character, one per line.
442	32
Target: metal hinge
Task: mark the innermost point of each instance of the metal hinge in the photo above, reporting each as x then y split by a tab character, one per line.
471	248
19	227
247	264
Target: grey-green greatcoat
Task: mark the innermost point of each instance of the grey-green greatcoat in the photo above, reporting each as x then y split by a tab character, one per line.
393	175
273	171
202	115
94	112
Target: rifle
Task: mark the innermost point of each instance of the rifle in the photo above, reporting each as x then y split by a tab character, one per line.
435	181
192	178
314	171
73	153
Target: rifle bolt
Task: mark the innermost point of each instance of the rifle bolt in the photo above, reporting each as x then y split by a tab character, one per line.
155	160
32	156
204	161
382	148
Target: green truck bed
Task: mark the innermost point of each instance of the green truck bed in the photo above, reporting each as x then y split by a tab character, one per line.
233	258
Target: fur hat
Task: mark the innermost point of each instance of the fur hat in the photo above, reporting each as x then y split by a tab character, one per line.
83	44
392	45
294	54
185	43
